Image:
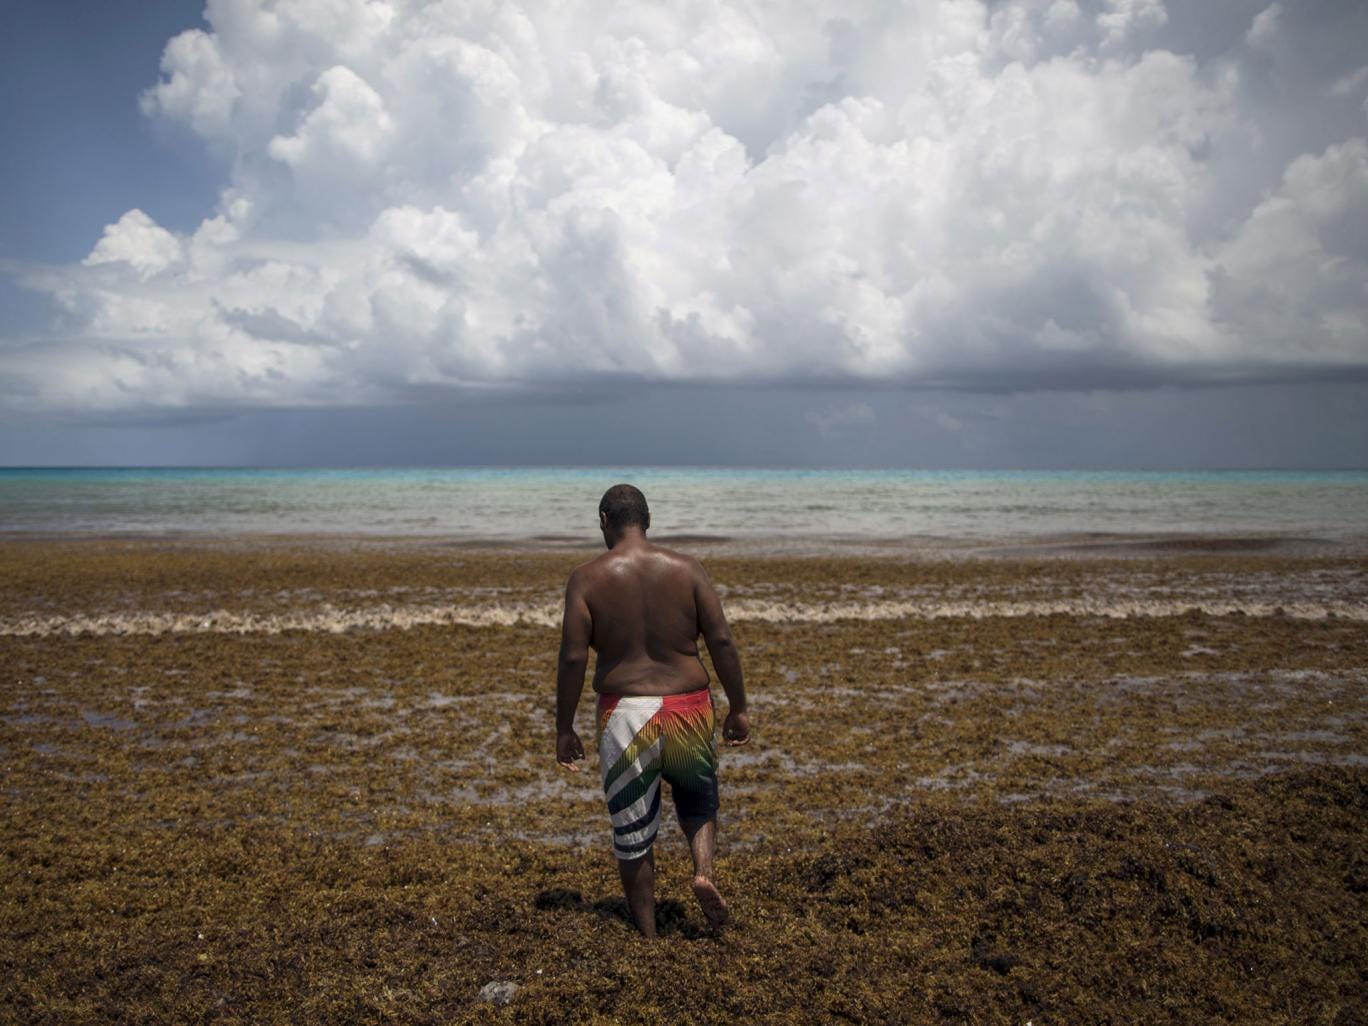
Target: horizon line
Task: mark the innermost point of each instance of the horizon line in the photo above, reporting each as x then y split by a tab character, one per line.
824	468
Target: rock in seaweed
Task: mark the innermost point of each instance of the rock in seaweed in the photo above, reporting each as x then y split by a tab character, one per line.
498	992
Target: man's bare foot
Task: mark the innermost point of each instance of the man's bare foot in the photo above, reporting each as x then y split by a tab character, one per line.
711	901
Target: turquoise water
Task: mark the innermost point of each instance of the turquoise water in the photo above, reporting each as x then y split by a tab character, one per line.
736	503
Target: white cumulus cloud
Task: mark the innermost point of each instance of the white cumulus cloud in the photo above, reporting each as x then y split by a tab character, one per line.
140	244
438	195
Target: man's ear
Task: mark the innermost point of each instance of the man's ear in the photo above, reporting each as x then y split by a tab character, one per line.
603	521
647	525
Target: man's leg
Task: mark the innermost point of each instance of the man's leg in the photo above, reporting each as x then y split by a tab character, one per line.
702	834
630	744
638	884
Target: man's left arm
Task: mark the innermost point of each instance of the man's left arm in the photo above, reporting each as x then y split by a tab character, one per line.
576	630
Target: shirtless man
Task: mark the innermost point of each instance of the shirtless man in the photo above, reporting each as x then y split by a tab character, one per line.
641	608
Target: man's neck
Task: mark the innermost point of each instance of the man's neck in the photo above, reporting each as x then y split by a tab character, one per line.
631	537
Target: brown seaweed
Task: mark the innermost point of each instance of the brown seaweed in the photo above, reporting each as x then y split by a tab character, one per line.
1059	819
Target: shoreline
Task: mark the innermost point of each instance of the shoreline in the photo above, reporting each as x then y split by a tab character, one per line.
1057	545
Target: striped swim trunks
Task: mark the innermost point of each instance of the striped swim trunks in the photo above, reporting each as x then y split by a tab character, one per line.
642	738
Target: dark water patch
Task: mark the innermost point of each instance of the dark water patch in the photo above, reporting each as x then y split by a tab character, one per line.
96	718
693	539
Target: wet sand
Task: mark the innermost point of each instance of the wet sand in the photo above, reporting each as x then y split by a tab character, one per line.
257	780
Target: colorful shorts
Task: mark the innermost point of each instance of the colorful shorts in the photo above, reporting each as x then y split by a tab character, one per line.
642	738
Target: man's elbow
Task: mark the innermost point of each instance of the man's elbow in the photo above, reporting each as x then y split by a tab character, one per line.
574	660
719	641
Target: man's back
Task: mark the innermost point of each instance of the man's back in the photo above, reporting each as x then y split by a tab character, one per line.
643	606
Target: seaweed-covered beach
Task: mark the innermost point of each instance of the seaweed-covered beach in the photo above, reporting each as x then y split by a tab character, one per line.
274	780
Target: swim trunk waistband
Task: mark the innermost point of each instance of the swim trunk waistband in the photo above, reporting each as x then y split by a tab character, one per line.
681	702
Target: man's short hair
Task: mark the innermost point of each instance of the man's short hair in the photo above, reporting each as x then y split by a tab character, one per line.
624	505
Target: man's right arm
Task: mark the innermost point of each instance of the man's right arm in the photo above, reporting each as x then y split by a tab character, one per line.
712	624
576	631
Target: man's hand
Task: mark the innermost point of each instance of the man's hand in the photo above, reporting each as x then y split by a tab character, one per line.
736	728
569	750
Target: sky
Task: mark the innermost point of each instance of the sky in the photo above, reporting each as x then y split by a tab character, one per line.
939	233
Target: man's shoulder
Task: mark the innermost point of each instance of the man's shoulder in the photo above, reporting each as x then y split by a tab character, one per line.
584	572
682	560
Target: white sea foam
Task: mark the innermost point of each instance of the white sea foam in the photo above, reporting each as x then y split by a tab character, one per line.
337	619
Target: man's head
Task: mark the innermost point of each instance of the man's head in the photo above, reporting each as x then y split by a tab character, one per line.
621	507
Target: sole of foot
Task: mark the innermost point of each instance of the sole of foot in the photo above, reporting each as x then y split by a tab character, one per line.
714	908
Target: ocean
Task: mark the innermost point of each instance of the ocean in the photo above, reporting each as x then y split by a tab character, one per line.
560	504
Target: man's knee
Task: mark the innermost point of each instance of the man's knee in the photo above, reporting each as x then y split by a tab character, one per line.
630	865
696	806
694	821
